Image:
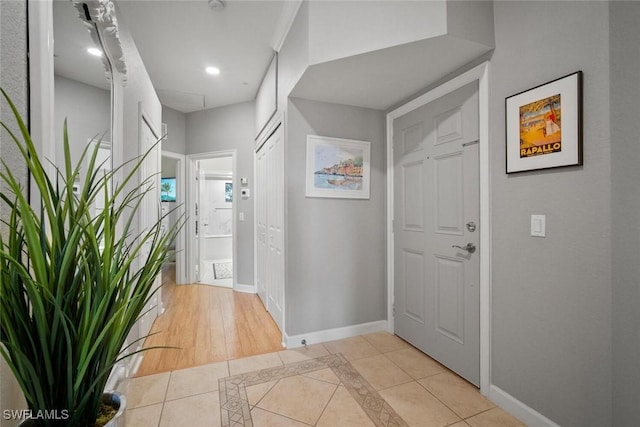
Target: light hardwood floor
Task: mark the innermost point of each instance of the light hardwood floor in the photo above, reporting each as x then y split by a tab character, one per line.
207	324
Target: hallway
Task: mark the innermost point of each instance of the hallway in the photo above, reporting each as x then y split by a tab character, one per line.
206	324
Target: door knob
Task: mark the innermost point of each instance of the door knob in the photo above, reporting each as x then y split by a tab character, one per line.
469	247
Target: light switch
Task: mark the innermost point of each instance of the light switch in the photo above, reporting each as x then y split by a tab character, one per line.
244	193
241	216
244	181
538	225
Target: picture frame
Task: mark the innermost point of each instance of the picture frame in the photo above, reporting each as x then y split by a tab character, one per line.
338	168
544	126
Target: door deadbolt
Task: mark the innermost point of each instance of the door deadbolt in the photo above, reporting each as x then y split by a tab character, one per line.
471	226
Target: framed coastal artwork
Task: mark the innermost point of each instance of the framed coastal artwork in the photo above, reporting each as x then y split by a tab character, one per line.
338	168
544	125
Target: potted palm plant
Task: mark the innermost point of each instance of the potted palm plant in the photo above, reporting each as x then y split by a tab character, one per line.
73	282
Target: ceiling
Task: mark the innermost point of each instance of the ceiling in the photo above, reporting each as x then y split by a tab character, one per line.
71	40
385	77
177	39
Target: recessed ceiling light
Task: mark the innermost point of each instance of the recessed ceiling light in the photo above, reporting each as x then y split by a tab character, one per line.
94	51
212	70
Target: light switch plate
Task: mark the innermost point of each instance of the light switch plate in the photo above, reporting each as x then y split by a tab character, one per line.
539	225
244	193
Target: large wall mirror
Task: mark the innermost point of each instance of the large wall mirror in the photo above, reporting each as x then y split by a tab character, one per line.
82	86
89	71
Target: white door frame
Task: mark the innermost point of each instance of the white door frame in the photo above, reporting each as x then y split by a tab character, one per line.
181	266
191	211
481	74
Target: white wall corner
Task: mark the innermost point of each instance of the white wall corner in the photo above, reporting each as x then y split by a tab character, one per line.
247	289
285	21
318	337
524	413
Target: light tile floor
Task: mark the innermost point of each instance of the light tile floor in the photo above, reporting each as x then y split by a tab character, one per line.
421	391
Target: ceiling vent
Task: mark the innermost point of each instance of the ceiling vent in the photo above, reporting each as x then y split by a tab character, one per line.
217	5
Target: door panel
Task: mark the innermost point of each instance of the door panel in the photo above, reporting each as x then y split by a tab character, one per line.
413	264
436	194
449	194
413	196
449	287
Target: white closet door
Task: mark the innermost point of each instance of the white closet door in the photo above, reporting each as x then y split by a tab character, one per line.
270	225
261	224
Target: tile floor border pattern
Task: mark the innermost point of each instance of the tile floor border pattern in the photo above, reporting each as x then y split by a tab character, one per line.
234	404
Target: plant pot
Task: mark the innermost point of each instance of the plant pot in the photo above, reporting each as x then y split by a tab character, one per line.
121	401
108	398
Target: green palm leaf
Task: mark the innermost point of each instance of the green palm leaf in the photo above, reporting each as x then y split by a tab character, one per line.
73	282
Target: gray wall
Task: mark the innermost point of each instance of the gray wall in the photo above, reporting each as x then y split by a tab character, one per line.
625	129
228	128
87	110
13	79
176	122
551	305
293	57
336	248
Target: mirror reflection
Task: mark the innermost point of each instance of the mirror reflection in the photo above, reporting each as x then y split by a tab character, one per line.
81	86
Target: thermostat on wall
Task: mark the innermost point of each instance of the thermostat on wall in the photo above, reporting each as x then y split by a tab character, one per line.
244	193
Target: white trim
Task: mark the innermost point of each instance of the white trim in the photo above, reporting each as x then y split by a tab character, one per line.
335	334
134	364
181	262
524	413
270	127
247	289
126	368
479	73
191	195
41	86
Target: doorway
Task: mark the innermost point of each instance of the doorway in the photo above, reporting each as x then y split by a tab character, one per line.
172	196
212	249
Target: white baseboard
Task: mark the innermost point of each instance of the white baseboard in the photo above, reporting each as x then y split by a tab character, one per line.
334	334
126	368
134	364
524	413
247	289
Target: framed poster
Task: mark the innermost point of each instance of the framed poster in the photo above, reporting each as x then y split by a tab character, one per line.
338	168
544	125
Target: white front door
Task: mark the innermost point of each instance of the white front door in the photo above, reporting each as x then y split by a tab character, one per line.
436	236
